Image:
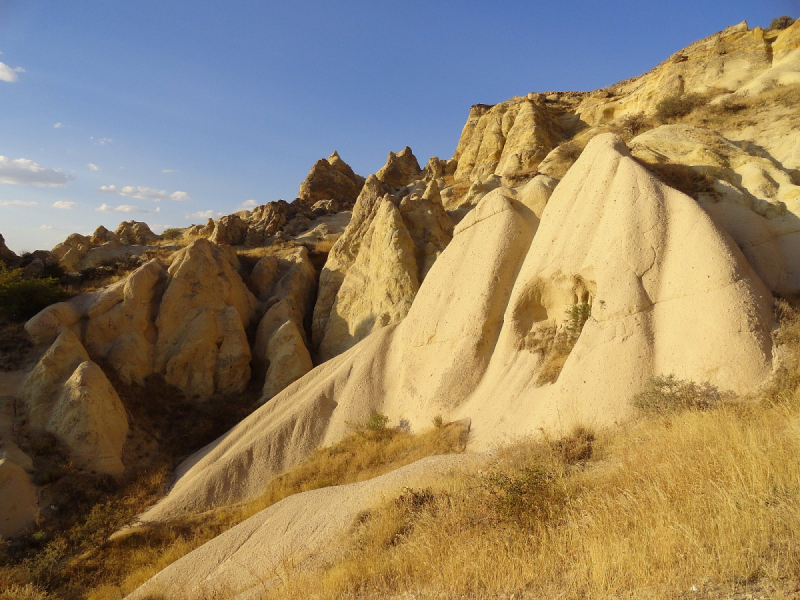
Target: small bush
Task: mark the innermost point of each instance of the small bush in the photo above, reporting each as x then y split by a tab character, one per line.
633	125
377	423
22	298
683	178
570	150
781	22
526	496
677	106
438	421
665	394
556	347
173	233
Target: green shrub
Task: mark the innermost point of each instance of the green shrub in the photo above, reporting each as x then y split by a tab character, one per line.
677	106
377	423
173	233
666	393
22	298
633	125
781	22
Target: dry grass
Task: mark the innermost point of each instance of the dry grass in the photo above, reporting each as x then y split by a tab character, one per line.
86	563
698	501
703	500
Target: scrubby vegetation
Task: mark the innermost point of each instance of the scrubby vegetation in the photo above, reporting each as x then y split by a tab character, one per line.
22	297
554	346
781	22
676	106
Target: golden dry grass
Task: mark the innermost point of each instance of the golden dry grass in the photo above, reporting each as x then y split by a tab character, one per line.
118	566
707	500
701	502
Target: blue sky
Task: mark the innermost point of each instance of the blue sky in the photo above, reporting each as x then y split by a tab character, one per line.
170	110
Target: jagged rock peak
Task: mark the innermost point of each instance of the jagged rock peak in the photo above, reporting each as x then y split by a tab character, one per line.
330	179
400	169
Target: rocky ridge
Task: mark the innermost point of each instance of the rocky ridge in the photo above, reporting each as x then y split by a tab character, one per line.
442	291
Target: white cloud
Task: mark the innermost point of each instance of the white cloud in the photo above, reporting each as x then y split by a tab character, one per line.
17	203
203	214
93	167
104	141
58	126
8	74
21	171
168	171
63	204
51	228
145	193
248	205
126	208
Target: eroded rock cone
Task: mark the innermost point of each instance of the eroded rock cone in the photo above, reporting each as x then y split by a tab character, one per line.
330	179
400	169
135	233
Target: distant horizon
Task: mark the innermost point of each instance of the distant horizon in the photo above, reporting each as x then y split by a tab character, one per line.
173	114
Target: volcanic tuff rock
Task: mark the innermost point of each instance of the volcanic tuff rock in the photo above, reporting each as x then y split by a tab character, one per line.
643	254
242	562
400	169
331	179
508	140
18	499
379	286
166	321
202	347
373	271
135	233
287	284
69	396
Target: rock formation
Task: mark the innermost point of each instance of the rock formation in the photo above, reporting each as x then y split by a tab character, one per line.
166	321
135	233
7	257
642	255
746	192
400	169
68	395
18	498
331	179
281	351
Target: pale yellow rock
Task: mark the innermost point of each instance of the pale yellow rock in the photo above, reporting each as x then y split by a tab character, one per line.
343	255
379	287
102	235
124	333
39	392
18	498
245	561
264	276
90	419
400	169
670	294
288	359
431	228
753	199
202	346
231	229
509	139
134	233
